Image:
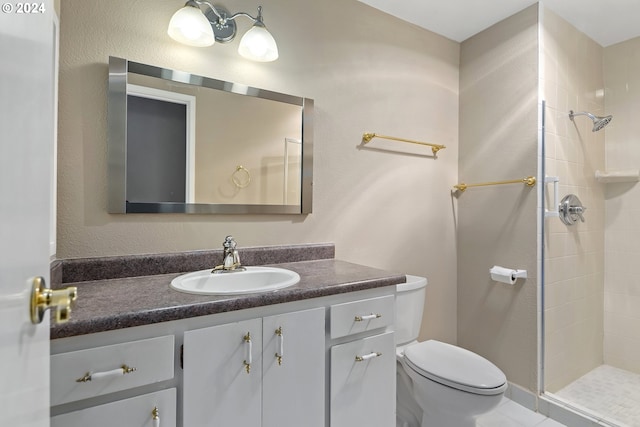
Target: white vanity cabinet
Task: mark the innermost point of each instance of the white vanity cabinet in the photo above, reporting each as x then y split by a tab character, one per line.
265	372
363	364
98	371
156	409
281	365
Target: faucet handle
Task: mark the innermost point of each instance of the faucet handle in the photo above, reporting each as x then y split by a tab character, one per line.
229	243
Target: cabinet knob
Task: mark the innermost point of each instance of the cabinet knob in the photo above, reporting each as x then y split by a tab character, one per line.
155	417
280	344
247	352
367	317
368	356
123	370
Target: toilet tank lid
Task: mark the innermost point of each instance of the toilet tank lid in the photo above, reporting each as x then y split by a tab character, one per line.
454	365
413	282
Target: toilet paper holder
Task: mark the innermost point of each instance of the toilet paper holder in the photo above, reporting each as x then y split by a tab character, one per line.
506	275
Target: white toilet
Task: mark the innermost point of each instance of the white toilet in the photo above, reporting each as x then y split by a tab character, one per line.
438	384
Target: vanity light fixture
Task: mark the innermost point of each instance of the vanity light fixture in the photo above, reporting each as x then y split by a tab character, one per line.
193	27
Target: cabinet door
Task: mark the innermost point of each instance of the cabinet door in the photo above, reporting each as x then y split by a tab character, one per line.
363	382
294	390
134	412
218	390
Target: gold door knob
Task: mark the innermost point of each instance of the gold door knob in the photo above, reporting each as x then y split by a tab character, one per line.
44	298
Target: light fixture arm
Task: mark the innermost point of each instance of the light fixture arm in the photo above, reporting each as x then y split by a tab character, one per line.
210	6
245	14
223	23
222	17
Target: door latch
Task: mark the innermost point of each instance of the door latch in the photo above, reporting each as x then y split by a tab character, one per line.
44	298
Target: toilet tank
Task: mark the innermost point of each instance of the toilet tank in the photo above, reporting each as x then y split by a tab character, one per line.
409	308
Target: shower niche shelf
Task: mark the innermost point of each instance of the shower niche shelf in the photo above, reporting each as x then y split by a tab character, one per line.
615	176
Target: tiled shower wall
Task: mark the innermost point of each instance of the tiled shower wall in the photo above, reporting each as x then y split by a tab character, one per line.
572	79
622	225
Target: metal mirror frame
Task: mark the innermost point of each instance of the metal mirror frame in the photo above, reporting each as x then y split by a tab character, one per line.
117	143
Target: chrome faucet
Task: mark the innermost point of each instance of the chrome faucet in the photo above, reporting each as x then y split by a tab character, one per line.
230	257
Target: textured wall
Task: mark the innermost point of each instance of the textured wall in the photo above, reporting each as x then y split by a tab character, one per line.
574	256
622	242
365	70
497	225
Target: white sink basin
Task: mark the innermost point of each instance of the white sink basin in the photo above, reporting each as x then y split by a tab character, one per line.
253	279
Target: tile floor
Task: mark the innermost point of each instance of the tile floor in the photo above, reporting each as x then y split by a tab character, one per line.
610	392
510	414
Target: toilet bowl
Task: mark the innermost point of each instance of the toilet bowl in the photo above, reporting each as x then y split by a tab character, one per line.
438	384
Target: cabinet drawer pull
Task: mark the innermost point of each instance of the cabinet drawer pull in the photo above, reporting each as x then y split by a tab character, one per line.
89	376
280	343
367	317
155	417
368	356
247	352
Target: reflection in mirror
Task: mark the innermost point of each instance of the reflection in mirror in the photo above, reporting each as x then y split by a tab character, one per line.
185	143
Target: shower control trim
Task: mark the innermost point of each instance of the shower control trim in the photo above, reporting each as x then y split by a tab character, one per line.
571	209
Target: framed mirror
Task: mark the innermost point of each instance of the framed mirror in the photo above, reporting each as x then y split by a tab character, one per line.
183	143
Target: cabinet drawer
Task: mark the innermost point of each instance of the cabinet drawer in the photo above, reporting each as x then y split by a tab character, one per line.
151	358
134	412
351	317
363	391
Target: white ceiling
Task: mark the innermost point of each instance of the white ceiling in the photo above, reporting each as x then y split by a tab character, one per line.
606	21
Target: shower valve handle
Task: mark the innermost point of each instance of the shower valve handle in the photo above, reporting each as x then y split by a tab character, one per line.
577	210
571	209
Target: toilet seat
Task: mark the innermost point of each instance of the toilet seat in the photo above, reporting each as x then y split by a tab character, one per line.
455	367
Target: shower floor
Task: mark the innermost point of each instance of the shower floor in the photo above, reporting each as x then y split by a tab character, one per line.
611	393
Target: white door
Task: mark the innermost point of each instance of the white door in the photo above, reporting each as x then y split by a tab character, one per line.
26	143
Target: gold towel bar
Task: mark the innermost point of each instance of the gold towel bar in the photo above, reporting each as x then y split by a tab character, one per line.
367	137
529	181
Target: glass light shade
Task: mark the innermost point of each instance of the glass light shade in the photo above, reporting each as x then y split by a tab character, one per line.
258	44
189	26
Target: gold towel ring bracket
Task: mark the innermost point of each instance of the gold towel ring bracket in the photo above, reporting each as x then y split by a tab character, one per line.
237	178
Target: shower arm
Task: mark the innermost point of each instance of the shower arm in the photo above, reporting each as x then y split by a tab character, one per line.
581	113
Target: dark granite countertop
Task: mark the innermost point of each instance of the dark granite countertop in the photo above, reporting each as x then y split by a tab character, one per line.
116	303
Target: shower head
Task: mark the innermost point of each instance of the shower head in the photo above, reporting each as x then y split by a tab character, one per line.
598	122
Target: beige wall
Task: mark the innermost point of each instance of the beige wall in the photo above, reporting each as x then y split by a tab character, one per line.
497	225
574	257
365	70
622	243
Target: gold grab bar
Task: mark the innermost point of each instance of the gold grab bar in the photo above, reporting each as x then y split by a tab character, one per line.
529	181
367	137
